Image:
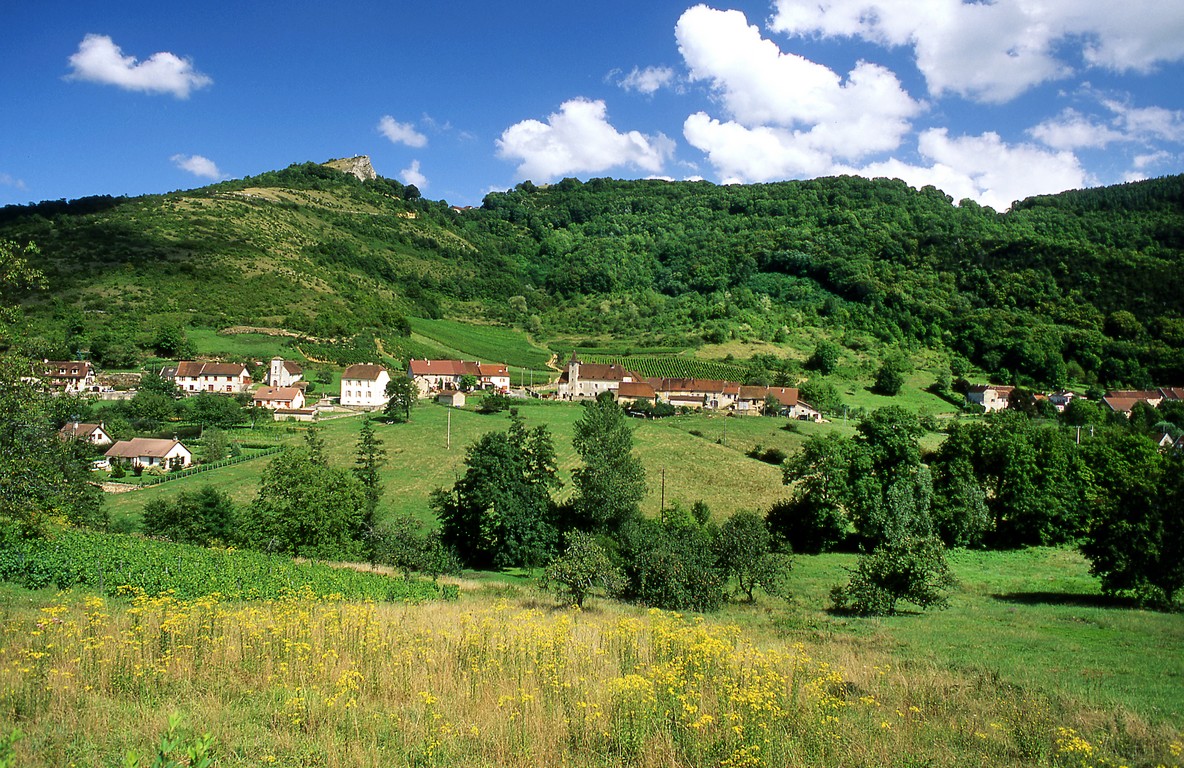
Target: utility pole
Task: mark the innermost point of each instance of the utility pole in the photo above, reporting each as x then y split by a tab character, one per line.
662	508
448	440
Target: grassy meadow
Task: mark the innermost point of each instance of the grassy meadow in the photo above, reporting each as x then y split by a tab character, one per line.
710	466
1028	667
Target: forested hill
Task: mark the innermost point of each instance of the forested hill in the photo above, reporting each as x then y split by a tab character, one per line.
1085	285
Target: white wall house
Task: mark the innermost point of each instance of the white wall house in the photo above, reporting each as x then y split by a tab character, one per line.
193	377
283	373
151	452
364	386
95	434
278	397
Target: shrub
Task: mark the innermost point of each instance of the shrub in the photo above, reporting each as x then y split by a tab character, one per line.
583	567
911	569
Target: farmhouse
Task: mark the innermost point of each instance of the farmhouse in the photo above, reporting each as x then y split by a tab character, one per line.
634	391
278	397
753	400
283	373
435	375
992	397
196	377
712	394
584	380
95	434
363	385
71	377
151	452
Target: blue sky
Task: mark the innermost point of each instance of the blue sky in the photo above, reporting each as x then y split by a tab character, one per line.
992	101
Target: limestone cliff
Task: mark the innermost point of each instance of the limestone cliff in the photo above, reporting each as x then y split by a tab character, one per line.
358	166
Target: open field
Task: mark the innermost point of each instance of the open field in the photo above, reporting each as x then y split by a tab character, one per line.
1028	667
710	466
488	343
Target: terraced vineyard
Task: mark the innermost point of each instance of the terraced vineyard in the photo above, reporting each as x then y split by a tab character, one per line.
671	367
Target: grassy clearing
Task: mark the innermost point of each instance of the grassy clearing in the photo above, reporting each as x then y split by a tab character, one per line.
505	678
259	346
489	343
711	468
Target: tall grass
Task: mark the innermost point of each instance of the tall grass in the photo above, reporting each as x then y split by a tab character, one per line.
305	681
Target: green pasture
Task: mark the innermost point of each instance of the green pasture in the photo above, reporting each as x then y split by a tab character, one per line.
489	343
1032	619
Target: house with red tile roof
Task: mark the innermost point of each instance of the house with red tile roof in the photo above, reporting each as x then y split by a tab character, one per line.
194	377
436	375
580	380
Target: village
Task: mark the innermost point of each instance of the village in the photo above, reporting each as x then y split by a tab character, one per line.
365	387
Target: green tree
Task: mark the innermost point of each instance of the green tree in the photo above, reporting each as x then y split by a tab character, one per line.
890	376
43	477
821	394
1135	536
670	563
306	508
401	543
468	382
912	569
610	485
825	358
369	458
214	444
744	551
500	512
403	394
171	341
583	567
213	410
203	517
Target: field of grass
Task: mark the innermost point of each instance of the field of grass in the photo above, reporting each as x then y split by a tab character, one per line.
711	467
487	343
258	346
1029	667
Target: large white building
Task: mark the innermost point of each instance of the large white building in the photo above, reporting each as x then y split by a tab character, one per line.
364	386
195	377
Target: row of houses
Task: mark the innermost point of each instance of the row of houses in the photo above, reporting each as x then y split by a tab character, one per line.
996	397
581	381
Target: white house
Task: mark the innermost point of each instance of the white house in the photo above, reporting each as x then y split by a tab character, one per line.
283	373
194	377
990	396
583	380
364	386
73	377
95	434
278	397
151	452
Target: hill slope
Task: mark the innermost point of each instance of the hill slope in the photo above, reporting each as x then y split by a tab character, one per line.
1083	286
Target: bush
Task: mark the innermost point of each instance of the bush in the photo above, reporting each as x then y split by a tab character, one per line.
583	567
912	569
807	525
672	566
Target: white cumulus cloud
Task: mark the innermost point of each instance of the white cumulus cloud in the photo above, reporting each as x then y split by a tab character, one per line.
401	133
412	175
984	168
579	139
7	180
994	51
199	166
786	116
647	81
99	60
